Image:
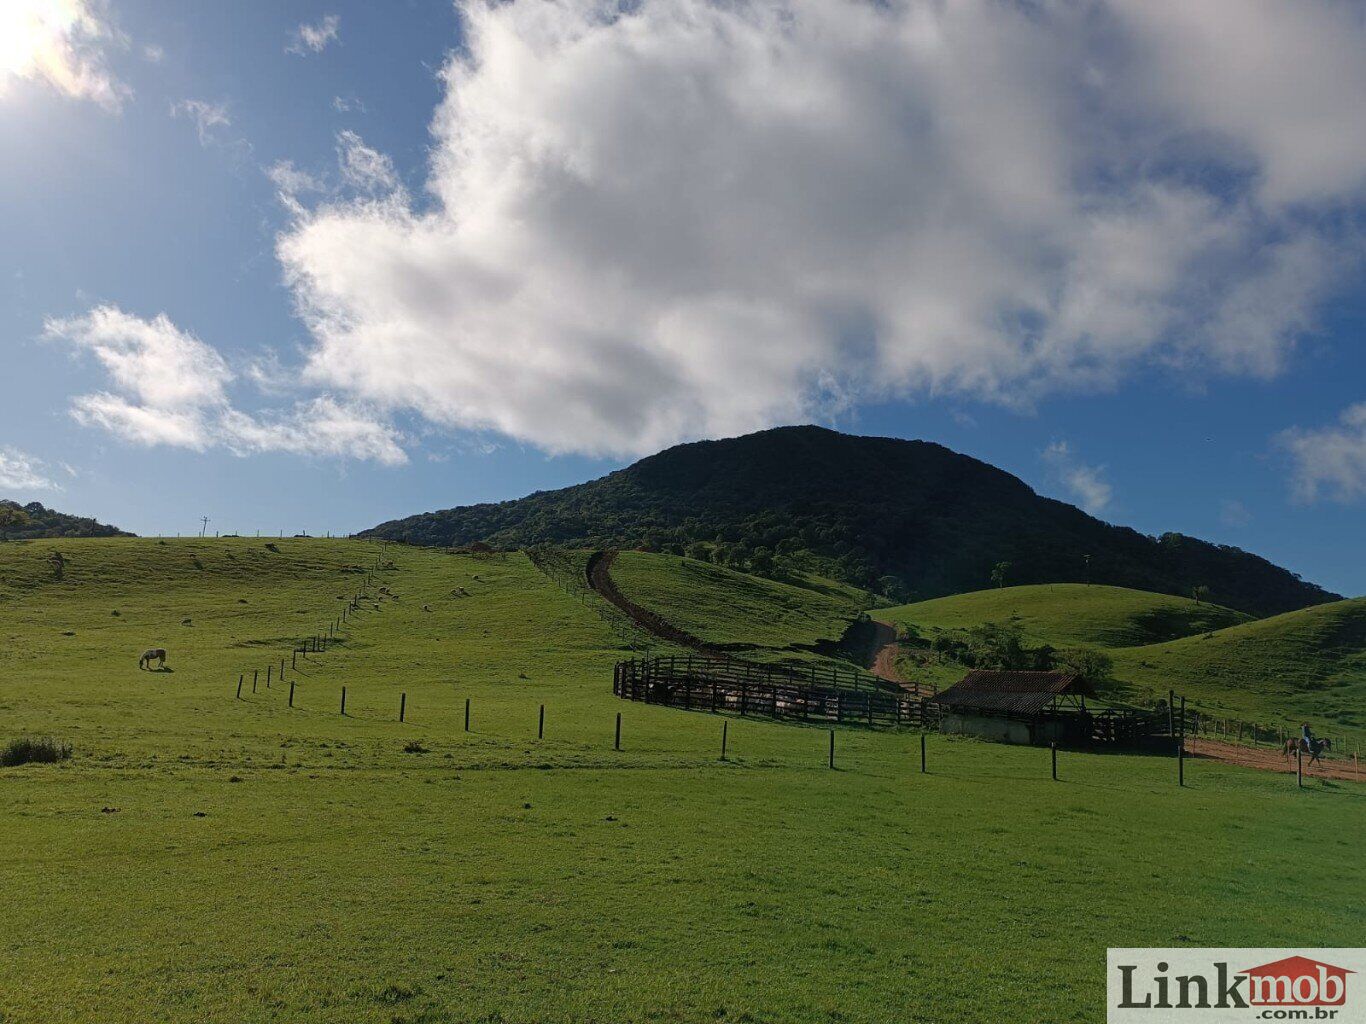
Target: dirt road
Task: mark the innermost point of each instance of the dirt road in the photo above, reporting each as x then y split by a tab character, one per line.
1271	760
883	662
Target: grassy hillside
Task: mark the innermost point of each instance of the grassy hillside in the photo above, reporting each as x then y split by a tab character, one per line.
1065	614
1309	664
906	518
750	615
202	859
1305	665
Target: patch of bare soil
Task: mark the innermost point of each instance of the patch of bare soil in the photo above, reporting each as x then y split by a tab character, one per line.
883	661
1272	760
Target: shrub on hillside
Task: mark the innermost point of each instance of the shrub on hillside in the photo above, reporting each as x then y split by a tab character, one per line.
1092	666
33	750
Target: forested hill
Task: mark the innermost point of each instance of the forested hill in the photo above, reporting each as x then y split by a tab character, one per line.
26	522
910	519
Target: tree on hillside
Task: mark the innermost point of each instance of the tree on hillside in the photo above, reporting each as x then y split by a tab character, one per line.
998	574
12	518
1091	665
1000	647
761	562
1200	593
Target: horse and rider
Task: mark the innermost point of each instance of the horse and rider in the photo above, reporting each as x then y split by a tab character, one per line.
1308	743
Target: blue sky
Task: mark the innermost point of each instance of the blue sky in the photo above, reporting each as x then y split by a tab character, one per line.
316	265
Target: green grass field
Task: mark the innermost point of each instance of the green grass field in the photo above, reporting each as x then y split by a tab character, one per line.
203	859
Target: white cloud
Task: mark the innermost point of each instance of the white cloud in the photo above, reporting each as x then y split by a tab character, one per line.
1330	460
170	388
1086	484
700	218
207	117
153	54
20	471
315	38
62	43
364	168
322	426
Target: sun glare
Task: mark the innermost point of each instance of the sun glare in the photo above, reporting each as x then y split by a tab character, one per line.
55	41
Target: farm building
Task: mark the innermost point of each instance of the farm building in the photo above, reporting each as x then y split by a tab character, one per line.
1018	707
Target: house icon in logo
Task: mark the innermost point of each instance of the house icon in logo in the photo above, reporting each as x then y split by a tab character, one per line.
1297	981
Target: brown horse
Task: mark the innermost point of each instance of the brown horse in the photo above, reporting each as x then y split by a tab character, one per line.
1319	746
157	654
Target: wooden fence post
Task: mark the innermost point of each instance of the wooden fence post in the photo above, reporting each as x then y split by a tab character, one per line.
540	724
253	680
922	755
402	705
343	707
832	748
1299	767
269	669
1181	748
617	743
239	687
291	694
724	730
1055	761
282	670
467	714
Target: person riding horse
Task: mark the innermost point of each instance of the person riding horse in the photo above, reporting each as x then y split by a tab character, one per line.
1308	743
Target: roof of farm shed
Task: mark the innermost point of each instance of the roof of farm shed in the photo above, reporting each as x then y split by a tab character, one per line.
1018	692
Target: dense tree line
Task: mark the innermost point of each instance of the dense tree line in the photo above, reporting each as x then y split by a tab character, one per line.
31	521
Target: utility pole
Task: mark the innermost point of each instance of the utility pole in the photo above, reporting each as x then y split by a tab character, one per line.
203	525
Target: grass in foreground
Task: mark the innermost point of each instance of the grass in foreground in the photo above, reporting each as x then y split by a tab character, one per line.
205	859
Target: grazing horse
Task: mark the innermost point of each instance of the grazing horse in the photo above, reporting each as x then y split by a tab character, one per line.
1319	746
157	654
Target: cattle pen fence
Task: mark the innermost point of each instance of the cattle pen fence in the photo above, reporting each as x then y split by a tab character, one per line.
794	693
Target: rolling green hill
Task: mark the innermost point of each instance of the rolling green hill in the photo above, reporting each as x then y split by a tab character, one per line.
220	861
1309	664
1066	614
906	518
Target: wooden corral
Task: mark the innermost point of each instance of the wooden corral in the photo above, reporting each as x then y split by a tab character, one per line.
814	694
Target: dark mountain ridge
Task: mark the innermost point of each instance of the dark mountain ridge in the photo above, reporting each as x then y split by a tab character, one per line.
911	519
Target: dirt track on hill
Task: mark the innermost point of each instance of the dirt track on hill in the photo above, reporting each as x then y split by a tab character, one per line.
1270	760
599	573
883	663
